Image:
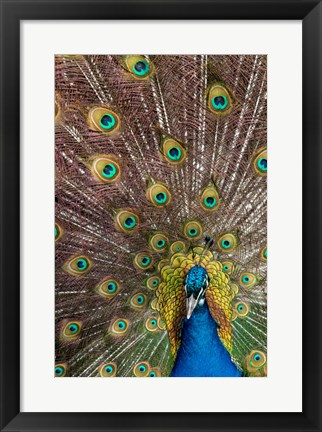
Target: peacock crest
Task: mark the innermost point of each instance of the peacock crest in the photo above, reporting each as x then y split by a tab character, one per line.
161	208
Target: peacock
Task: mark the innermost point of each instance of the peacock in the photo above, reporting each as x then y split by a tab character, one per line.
160	216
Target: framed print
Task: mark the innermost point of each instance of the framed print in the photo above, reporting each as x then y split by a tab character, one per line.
143	139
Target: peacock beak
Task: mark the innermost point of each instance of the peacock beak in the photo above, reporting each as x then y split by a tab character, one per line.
192	303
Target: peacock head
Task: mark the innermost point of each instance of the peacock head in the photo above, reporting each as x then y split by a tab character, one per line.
196	284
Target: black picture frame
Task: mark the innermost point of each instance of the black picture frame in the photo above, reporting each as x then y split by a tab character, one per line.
12	12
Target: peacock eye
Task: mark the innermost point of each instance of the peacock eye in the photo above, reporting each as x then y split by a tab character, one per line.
139	66
248	280
227	242
234	289
209	199
260	162
151	324
107	121
103	120
264	253
173	151
105	168
242	309
71	330
126	221
107	370
177	246
158	194
77	266
152	282
141	369
58	231
107	288
193	230
152	374
161	324
60	370
120	326
257	359
138	300
143	261
158	242
219	102
219	99
228	267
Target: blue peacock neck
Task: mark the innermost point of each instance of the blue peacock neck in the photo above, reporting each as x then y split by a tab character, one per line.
201	352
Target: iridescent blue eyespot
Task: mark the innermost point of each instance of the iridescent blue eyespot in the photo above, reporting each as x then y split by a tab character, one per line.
59	371
140	299
240	308
210	201
152	374
219	102
262	164
142	368
225	244
155	282
107	121
225	268
130	222
56	232
111	287
257	357
245	279
121	325
141	68
192	232
145	261
174	153
73	328
153	323
109	171
109	369
82	264
160	243
160	197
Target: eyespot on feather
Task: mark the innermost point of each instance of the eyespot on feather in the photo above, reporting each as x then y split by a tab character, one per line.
192	230
139	66
138	300
241	309
58	231
209	199
172	150
108	288
126	221
143	261
260	162
158	242
153	282
78	265
227	242
263	253
158	194
248	280
119	327
60	370
107	370
141	369
219	100
177	246
102	119
151	324
105	168
70	331
228	267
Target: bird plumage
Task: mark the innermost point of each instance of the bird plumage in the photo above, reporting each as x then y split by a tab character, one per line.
155	154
